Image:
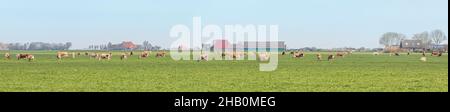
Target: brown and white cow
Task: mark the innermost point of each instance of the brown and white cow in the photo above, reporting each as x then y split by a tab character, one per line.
340	54
93	55
61	55
264	56
331	57
144	54
7	56
435	53
104	56
319	57
123	56
29	57
204	57
160	54
298	55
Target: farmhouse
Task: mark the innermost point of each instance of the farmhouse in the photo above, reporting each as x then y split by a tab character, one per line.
411	45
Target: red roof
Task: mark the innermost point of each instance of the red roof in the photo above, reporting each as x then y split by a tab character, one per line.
221	44
128	45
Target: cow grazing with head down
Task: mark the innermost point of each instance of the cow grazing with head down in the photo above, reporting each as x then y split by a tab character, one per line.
7	56
93	55
123	56
435	53
61	55
319	57
29	57
340	54
331	57
203	57
264	56
160	54
104	56
144	54
298	55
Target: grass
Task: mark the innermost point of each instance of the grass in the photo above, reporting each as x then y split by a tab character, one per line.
360	72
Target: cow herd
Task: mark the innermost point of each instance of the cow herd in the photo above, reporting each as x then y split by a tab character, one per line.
98	56
331	56
262	56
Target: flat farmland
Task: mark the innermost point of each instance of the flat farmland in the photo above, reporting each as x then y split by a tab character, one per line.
359	72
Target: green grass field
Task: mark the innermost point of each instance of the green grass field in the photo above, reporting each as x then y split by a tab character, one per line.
355	73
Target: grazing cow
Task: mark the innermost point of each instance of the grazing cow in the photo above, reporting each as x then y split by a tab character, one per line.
264	56
160	54
105	56
29	57
238	55
340	54
319	57
93	55
435	53
7	56
251	54
223	55
331	57
298	55
123	56
349	52
61	55
204	57
144	54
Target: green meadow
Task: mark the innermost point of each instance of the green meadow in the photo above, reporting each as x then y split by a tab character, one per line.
359	72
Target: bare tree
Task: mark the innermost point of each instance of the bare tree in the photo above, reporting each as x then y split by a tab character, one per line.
437	37
424	37
391	38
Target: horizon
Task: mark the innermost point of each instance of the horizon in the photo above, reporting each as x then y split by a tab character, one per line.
320	23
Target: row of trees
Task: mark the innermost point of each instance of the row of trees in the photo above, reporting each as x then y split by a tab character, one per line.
435	37
125	46
35	46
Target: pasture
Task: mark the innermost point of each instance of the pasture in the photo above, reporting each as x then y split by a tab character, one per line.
359	72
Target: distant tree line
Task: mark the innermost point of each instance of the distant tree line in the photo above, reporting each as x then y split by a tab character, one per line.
314	49
126	45
435	37
35	46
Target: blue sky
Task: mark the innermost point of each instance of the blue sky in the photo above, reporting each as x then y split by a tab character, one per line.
303	23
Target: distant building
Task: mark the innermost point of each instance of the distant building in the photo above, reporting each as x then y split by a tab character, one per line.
221	45
443	47
411	45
